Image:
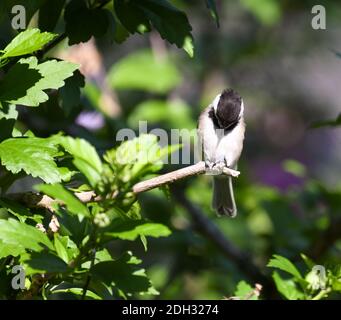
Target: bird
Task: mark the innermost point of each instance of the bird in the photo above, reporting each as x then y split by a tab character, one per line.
221	131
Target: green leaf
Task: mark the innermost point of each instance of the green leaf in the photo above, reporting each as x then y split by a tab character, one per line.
244	290
49	14
284	264
8	116
32	155
85	157
27	42
76	227
211	5
70	93
130	230
79	292
13	232
57	191
294	167
172	114
124	274
44	262
26	81
7	249
82	22
142	71
309	263
21	212
287	288
171	23
266	11
61	248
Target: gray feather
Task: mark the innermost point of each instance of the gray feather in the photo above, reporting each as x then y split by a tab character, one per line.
223	198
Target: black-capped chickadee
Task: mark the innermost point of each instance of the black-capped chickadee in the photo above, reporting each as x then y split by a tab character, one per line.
221	130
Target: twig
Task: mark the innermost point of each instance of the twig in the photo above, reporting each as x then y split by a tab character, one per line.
167	178
33	200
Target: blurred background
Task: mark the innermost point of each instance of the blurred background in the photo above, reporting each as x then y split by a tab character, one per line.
289	191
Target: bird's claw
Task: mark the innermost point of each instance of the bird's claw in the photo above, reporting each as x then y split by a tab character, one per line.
214	168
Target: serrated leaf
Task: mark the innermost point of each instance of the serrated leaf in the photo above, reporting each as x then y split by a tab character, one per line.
85	156
57	191
130	230
284	264
138	157
27	42
13	232
26	81
243	290
124	274
171	23
82	22
142	71
287	288
32	155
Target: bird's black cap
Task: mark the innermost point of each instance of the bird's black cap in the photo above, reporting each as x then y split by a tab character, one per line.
228	109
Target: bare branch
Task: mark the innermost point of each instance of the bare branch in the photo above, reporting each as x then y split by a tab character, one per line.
167	178
31	199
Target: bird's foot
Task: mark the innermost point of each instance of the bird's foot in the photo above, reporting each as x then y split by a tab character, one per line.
214	168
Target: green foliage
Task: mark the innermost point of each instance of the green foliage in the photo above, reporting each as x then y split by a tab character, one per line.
132	229
73	205
267	11
171	23
85	157
78	246
244	291
83	22
142	70
175	114
74	246
319	281
285	265
23	236
34	79
33	155
26	42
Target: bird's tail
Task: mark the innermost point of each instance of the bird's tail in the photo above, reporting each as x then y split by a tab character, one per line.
223	198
